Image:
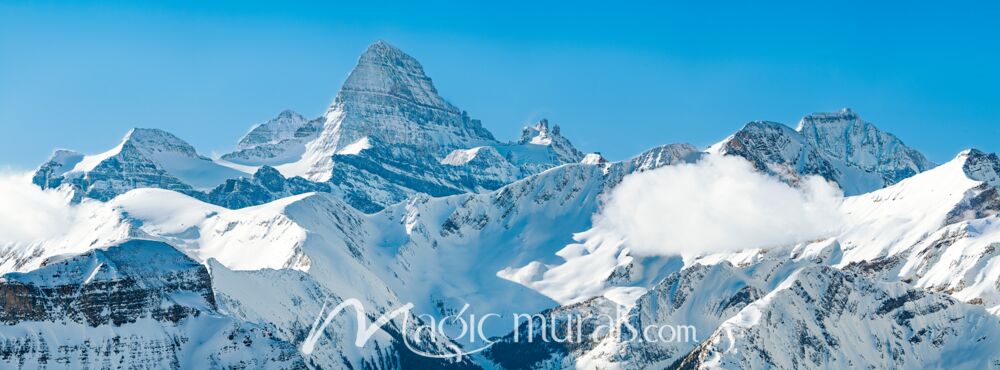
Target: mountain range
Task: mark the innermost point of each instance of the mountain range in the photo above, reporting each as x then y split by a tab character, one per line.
395	196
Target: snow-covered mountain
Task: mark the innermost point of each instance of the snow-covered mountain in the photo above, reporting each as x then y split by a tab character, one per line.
937	230
279	140
387	258
930	237
839	147
388	98
821	317
144	158
387	136
394	196
138	304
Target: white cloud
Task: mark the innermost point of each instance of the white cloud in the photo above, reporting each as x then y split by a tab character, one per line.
718	204
27	213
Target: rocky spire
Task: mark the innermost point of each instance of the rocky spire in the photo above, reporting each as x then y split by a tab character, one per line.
543	134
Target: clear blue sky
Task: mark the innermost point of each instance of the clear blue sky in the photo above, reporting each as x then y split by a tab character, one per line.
618	77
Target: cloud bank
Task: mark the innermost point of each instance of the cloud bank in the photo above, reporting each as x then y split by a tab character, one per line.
717	204
27	213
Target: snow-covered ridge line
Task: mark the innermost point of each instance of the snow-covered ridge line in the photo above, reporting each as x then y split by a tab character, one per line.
384	139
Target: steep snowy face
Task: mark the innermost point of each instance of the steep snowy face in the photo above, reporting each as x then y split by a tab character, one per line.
846	137
148	303
814	318
892	220
388	97
937	230
280	140
839	147
144	158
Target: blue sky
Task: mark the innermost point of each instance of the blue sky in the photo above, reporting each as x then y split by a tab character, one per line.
619	77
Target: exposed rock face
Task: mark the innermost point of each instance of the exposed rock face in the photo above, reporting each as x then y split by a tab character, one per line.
983	167
839	147
97	309
778	150
117	286
844	136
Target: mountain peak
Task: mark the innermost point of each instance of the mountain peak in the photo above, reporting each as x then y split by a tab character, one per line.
383	52
388	99
843	135
288	113
381	47
544	134
540	133
156	140
386	70
843	116
981	166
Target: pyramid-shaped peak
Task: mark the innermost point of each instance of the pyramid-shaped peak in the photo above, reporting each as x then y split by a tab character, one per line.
381	47
384	70
383	53
156	140
150	134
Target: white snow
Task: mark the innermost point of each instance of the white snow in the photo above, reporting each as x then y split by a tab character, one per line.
460	157
90	161
894	219
356	147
